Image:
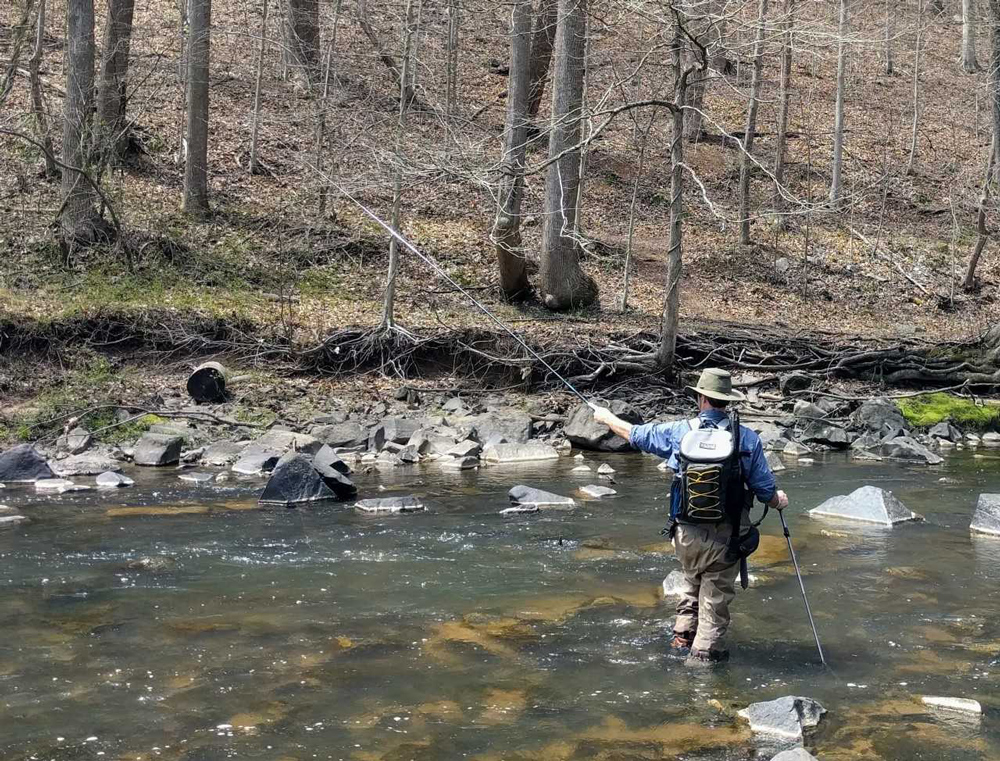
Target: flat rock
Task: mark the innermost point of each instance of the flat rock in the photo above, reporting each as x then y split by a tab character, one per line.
833	436
111	480
86	464
526	495
869	504
966	705
986	519
326	458
605	470
795	449
197	478
287	441
597	492
467	448
910	450
582	430
673	584
785	717
391	505
795	754
508	453
12	521
222	453
53	484
255	461
519	510
295	481
344	434
991	439
157	450
23	464
459	463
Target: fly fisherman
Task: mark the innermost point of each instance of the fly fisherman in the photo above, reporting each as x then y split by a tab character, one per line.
719	468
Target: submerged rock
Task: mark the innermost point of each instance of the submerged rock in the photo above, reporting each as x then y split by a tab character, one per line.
785	717
526	495
112	480
508	453
23	464
906	448
157	449
519	510
869	504
965	705
986	519
673	584
197	478
12	520
584	432
295	480
795	449
391	505
605	470
152	563
53	484
597	492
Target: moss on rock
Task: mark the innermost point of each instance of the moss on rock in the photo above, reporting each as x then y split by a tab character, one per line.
930	409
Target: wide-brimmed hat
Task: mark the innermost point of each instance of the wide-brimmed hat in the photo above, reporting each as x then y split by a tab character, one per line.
717	384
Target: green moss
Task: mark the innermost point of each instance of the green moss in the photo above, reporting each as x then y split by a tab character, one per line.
930	409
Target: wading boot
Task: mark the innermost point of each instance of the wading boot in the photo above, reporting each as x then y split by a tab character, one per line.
707	658
681	644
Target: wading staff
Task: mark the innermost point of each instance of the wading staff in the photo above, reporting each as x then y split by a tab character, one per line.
798	573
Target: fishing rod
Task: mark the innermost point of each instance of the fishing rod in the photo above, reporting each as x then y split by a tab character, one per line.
482	308
798	573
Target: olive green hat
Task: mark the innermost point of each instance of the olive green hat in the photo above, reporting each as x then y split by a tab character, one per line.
717	384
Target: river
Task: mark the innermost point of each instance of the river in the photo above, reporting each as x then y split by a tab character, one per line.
460	634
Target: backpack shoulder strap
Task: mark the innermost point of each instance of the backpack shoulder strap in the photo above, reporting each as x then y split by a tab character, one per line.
694	423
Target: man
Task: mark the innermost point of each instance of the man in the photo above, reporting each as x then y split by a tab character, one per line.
705	550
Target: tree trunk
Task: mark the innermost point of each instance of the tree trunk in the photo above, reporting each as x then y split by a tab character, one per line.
79	220
324	189
746	166
451	93
784	99
302	39
254	165
969	283
388	61
995	81
542	39
838	129
507	228
911	164
405	88
969	63
890	17
38	114
196	156
564	284
112	93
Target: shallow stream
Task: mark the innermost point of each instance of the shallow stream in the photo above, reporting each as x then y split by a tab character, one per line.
457	633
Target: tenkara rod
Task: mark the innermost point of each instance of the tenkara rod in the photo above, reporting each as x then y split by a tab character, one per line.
798	573
437	268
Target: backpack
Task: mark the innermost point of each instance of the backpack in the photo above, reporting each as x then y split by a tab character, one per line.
709	477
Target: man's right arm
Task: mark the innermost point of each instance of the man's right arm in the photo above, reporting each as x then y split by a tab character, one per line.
653	438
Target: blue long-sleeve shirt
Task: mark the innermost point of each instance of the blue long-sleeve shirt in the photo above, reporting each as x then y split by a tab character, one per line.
664	439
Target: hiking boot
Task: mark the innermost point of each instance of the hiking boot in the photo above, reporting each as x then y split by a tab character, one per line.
707	657
681	643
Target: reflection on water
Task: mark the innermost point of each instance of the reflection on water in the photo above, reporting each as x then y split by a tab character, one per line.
175	621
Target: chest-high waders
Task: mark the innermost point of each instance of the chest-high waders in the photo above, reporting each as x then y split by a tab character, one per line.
712	489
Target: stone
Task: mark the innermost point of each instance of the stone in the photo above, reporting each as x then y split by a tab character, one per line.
390	505
881	417
597	492
256	462
344	434
526	495
519	509
946	432
23	464
869	504
12	521
808	410
605	470
76	441
408	455
795	754
295	480
991	439
455	406
152	563
867	441
509	453
327	458
157	450
772	436
387	459
459	463
330	418
785	717
582	469
467	448
782	265
197	478
795	449
397	430
510	424
223	453
432	442
191	456
285	441
775	463
673	584
789	383
87	464
973	439
986	519
53	484
112	480
966	705
909	449
583	432
828	435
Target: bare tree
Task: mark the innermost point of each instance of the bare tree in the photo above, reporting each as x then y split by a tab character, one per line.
983	232
253	165
543	38
322	105
451	87
969	63
836	189
911	164
994	74
387	60
302	39
112	93
784	99
890	19
751	125
507	228
38	113
195	199
564	284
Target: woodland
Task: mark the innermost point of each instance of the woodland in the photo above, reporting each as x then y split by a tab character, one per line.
636	188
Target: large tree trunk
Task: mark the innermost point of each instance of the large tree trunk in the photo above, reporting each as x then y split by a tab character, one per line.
746	166
38	114
302	39
507	228
564	284
196	156
79	222
542	39
911	164
969	63
112	93
836	189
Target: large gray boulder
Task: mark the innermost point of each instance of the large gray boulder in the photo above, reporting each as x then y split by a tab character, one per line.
157	449
512	425
528	496
326	459
945	431
87	464
432	441
869	504
392	430
585	433
784	718
808	411
826	434
986	519
881	417
510	453
347	434
23	464
910	450
295	481
222	453
112	480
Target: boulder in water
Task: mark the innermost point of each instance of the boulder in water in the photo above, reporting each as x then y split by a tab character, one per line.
509	453
673	584
910	450
459	463
991	439
12	520
605	470
53	484
158	449
526	495
391	505
87	464
23	464
795	449
519	510
881	417
467	448
295	480
869	504
795	754
222	453
965	705
986	519
584	432
326	458
112	480
824	433
597	492
785	717
152	563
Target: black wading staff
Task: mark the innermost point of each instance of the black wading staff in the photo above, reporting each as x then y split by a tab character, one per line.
788	538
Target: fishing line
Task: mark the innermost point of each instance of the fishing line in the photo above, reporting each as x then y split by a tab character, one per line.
438	269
